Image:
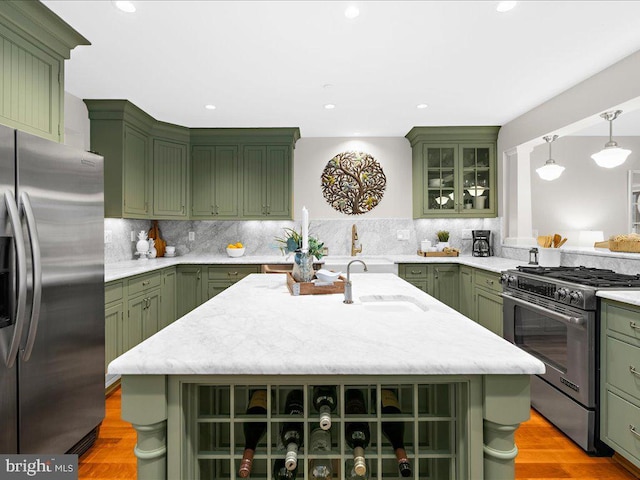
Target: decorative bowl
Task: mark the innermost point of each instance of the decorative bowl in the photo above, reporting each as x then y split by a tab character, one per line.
235	252
435	182
327	276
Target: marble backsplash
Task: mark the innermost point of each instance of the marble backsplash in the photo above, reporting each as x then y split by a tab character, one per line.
377	236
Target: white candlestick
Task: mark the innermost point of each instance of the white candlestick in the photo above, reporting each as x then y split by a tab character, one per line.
305	229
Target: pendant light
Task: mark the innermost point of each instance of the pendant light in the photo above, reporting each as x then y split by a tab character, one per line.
550	170
611	155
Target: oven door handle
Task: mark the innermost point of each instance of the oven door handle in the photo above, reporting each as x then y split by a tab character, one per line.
545	311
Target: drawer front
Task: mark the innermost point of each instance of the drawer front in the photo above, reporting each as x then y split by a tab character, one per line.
488	280
622	320
623	366
112	292
232	272
417	271
623	424
143	282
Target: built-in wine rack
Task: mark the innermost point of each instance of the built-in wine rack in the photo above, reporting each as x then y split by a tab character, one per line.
432	414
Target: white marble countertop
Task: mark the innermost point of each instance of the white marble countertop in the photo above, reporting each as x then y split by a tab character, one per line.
116	271
277	333
632	297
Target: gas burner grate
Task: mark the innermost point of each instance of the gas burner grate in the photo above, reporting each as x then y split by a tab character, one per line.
593	277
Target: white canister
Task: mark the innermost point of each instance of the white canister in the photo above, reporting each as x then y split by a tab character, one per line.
549	257
425	245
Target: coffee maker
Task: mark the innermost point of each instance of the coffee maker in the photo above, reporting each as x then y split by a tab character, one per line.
481	243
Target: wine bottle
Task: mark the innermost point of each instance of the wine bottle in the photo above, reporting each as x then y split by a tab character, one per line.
324	401
357	433
253	431
292	432
280	471
394	431
320	442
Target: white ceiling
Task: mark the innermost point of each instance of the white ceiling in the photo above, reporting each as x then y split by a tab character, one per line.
266	63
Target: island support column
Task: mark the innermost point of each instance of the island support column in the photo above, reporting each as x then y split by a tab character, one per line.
507	403
144	405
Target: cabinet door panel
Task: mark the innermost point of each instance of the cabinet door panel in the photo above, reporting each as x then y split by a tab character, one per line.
214	288
169	179
254	195
202	182
489	310
189	289
168	298
465	298
132	331
113	333
225	180
445	282
135	172
278	182
151	314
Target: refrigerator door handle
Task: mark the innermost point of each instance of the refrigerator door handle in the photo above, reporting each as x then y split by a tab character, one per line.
21	266
37	274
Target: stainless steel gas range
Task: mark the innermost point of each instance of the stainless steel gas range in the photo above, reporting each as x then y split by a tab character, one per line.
552	313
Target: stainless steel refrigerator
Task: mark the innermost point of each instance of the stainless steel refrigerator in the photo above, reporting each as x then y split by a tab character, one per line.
51	295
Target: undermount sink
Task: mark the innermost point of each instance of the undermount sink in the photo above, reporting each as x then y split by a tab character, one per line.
375	264
392	304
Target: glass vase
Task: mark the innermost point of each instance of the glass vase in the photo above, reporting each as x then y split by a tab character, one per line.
302	267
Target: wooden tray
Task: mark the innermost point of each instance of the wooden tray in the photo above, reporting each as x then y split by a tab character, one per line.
438	254
308	288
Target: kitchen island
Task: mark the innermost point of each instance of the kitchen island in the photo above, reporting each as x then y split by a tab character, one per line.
463	391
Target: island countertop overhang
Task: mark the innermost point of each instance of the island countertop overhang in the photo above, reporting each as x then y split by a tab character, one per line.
256	327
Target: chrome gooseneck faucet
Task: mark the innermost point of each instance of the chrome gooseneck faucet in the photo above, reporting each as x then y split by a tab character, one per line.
348	295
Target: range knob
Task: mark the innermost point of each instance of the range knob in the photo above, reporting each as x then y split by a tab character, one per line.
575	297
504	278
513	280
562	293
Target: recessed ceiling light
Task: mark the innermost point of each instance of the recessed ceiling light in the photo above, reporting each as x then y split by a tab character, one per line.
210	107
329	106
351	12
125	6
422	105
505	6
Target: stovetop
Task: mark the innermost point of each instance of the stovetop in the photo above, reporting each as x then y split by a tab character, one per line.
592	277
572	286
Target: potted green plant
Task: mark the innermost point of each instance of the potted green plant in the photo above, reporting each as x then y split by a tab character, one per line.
291	242
443	239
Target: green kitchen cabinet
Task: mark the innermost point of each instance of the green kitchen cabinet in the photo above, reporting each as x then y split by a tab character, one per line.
214	184
143	308
169	310
32	75
417	274
438	280
267	174
488	300
221	277
444	283
113	321
620	379
170	179
466	305
146	161
189	288
454	171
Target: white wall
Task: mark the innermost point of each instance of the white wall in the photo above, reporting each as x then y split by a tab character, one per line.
585	197
76	122
312	155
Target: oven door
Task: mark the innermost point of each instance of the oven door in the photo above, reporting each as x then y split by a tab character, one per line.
563	338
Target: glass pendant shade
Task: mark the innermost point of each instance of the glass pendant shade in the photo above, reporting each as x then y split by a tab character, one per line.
550	170
611	155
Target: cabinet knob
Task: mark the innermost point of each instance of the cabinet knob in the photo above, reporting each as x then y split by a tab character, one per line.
634	371
416	272
634	431
634	325
232	274
146	282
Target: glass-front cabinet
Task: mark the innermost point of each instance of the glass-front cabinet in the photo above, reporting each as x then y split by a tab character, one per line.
634	201
455	177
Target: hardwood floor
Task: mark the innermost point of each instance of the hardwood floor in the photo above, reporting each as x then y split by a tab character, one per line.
544	453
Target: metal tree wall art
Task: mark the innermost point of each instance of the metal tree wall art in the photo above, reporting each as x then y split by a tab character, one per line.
353	182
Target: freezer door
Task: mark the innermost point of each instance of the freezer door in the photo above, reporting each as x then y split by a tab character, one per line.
61	379
8	376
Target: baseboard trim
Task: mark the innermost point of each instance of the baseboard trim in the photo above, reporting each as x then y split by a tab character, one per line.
627	464
112	388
